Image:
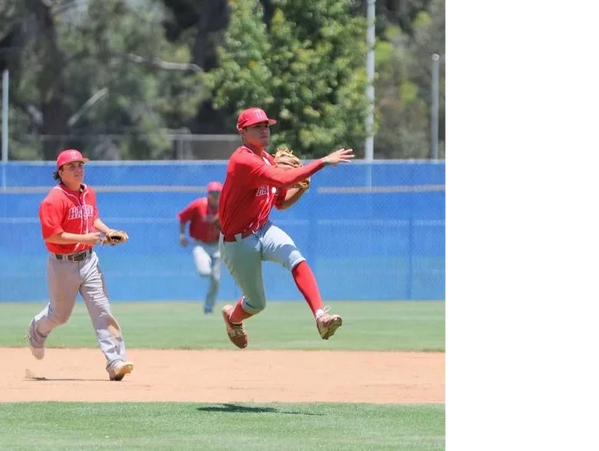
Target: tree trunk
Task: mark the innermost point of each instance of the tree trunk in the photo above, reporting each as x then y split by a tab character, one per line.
51	81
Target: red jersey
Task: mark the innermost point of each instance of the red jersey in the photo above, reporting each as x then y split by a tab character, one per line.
202	216
252	186
64	210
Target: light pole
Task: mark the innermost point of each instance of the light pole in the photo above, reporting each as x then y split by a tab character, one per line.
5	116
370	42
4	125
435	108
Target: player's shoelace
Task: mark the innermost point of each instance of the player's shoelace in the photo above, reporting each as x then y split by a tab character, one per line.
325	311
237	330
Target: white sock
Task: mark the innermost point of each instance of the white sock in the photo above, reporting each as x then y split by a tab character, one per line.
319	313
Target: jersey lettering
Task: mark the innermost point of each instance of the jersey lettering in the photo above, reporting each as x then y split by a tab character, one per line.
81	211
262	191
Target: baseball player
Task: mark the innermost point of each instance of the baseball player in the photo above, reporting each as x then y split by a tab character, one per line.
204	228
70	228
252	186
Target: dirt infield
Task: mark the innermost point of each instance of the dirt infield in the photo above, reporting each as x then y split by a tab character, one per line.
226	376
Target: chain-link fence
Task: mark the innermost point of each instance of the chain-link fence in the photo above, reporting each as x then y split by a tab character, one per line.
369	231
161	144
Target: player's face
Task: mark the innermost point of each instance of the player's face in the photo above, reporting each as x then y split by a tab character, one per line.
213	197
72	173
257	135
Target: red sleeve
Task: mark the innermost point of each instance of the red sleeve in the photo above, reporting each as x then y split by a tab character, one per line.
50	219
189	212
261	173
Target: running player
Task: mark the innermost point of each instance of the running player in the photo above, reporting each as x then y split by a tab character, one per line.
202	215
71	227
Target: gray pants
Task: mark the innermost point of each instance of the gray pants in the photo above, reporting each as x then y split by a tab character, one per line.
207	259
244	258
65	280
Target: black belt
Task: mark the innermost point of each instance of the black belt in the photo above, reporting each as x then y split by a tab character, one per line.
79	256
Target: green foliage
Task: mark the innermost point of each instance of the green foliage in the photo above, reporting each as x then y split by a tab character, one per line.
306	69
111	46
403	86
243	75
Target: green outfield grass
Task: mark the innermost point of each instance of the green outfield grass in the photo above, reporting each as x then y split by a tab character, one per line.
185	426
401	325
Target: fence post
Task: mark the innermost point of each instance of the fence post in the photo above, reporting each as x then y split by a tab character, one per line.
435	107
4	125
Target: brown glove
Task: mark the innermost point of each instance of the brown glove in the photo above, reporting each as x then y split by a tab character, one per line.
114	237
285	159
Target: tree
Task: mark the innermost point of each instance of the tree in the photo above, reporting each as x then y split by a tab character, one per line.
199	25
103	68
403	87
307	69
243	74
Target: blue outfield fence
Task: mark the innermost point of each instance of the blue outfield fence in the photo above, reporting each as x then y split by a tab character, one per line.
369	231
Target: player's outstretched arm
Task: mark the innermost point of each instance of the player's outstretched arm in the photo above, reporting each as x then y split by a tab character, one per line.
338	156
265	174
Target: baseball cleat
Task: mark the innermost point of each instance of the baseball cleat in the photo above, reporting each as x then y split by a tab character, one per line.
119	369
327	324
36	346
236	332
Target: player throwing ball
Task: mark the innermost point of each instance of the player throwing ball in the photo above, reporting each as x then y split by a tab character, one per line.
70	228
252	186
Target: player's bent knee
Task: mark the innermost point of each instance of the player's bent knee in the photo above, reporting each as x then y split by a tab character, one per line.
295	261
252	306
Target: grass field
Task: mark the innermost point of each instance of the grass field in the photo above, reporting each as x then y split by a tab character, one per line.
375	326
249	426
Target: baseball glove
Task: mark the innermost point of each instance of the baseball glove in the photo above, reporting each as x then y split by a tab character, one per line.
285	159
114	237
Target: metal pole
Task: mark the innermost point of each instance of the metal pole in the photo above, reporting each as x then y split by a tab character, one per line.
5	116
370	41
4	125
435	108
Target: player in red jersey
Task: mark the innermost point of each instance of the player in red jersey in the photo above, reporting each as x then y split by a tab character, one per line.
252	186
204	227
71	227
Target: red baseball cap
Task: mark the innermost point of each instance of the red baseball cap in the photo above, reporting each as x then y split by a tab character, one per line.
214	186
253	116
68	156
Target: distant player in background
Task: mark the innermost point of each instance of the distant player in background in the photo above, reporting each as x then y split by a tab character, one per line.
253	185
204	228
71	226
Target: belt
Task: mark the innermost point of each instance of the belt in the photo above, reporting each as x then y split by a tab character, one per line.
238	236
79	256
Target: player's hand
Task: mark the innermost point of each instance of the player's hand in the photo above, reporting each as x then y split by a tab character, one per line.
90	238
339	156
183	240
